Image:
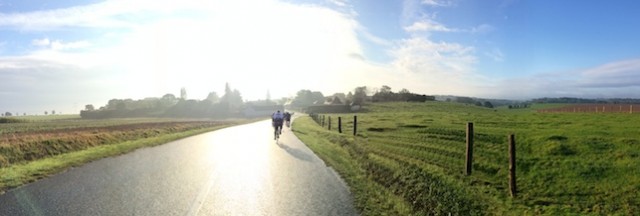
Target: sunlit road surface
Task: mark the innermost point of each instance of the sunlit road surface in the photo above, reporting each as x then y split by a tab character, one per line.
233	171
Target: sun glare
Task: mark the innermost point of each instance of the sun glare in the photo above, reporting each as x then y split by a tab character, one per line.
253	55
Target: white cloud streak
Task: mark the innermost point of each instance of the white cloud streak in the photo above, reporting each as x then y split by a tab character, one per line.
59	45
438	3
611	75
482	29
108	14
340	3
613	79
495	54
428	25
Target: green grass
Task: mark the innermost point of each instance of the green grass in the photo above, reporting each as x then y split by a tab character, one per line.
371	198
568	163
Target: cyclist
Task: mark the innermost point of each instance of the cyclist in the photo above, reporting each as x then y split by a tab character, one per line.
287	118
277	120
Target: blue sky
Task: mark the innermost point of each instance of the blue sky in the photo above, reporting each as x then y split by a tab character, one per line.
64	54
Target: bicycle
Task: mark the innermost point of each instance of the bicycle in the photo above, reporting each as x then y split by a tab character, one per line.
277	126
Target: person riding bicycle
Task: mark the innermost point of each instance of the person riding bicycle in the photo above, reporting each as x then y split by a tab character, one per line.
277	119
287	119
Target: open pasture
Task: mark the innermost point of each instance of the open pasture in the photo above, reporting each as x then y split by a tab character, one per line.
567	163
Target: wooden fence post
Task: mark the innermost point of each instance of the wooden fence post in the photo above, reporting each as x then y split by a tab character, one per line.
329	127
339	124
469	162
355	124
512	165
322	120
630	108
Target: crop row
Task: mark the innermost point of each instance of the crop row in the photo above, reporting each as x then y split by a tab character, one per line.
430	194
28	146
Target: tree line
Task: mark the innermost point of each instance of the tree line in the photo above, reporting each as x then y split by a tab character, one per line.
359	96
9	114
229	105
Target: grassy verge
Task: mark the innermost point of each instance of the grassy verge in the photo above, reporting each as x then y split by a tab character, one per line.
21	173
370	197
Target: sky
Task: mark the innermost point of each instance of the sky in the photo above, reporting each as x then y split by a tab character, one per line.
62	55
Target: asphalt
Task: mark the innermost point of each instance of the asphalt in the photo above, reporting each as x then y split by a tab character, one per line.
234	171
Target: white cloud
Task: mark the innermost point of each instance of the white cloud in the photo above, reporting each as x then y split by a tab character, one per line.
495	54
482	28
438	3
614	79
59	45
340	3
428	25
375	39
433	67
41	42
612	75
442	68
107	14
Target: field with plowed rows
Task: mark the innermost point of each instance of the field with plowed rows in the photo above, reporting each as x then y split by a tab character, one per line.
595	108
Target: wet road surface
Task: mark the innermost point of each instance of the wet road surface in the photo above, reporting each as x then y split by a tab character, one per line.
234	171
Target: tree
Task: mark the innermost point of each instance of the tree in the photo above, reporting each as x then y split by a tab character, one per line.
89	107
306	97
404	95
384	94
360	95
227	89
46	113
53	112
231	100
183	93
168	100
213	97
170	97
466	100
235	101
7	114
349	98
488	104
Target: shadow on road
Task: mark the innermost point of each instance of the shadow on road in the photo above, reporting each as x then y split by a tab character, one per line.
297	153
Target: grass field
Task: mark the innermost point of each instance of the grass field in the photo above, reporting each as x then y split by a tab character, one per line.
33	148
567	163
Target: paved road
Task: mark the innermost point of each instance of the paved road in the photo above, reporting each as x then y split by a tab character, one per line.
234	171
